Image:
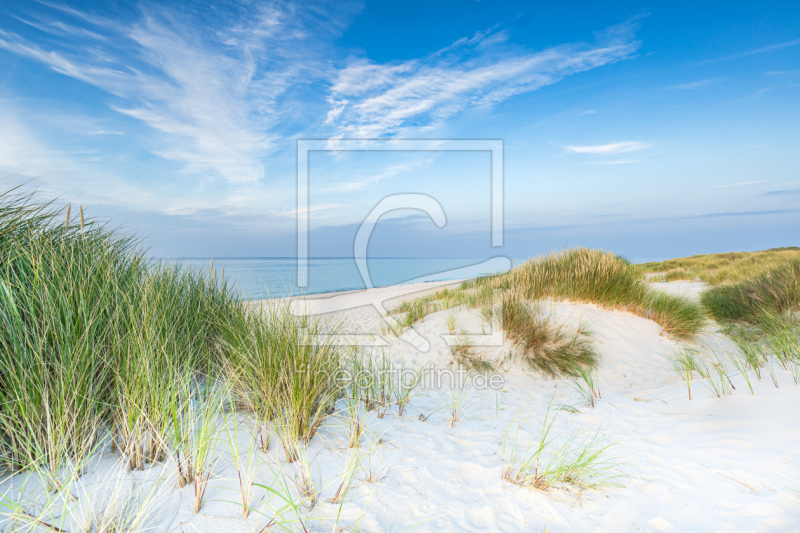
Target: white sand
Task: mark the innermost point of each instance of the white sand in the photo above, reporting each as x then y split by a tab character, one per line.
359	311
710	464
690	289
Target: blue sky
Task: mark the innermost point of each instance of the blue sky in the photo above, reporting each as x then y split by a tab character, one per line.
654	129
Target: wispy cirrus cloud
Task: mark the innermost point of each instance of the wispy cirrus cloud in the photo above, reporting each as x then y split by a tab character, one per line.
217	92
607	149
376	177
697	84
737	184
616	162
755	51
312	211
372	100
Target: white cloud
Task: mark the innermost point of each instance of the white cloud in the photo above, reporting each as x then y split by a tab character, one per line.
608	149
375	178
216	91
739	184
694	84
616	162
311	211
370	100
755	51
72	175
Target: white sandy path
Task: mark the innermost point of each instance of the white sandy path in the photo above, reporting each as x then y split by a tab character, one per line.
359	311
705	465
690	289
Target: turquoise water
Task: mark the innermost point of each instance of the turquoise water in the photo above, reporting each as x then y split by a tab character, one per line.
260	278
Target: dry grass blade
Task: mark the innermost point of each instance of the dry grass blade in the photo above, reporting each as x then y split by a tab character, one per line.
543	345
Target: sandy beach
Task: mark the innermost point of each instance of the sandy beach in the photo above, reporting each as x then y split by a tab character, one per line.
710	464
359	312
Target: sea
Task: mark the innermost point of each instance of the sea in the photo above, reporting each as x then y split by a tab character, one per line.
258	277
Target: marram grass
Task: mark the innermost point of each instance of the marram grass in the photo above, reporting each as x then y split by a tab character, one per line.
100	346
774	291
541	343
608	280
577	275
715	269
575	461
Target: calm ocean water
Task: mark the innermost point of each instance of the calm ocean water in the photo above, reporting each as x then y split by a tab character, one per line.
260	277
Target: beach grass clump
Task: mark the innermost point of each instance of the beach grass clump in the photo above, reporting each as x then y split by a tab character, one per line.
715	269
60	289
464	353
114	503
608	280
775	291
193	409
170	323
543	345
711	366
586	385
577	460
242	460
93	333
282	369
456	405
578	275
100	344
687	361
782	341
377	383
772	347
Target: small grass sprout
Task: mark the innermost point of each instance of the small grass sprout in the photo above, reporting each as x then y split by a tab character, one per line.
685	361
586	385
452	322
242	463
455	405
405	386
574	461
462	348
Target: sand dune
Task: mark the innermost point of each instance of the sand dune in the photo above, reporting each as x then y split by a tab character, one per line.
710	464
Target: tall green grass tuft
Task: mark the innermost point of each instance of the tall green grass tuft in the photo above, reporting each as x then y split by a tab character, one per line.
578	275
61	293
282	369
608	280
99	344
775	291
